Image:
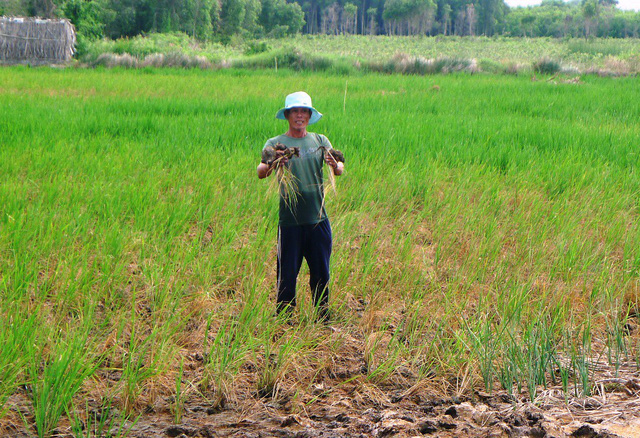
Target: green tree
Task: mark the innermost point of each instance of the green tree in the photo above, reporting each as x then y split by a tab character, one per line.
250	24
590	11
349	18
489	11
372	14
279	18
86	16
231	16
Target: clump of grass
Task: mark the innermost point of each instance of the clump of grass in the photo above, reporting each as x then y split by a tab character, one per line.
547	66
417	65
294	59
275	358
178	401
256	47
490	66
176	60
224	357
111	60
603	47
100	422
157	60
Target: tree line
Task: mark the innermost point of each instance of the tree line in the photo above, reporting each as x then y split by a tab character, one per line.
223	19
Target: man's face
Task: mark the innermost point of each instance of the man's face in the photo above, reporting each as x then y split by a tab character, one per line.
299	118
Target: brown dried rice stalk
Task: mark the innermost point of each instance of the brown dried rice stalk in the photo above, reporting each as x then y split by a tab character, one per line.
339	157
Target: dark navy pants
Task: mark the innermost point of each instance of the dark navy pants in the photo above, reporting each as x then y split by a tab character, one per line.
313	243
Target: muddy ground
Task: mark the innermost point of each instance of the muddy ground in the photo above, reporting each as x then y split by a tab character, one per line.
346	411
414	412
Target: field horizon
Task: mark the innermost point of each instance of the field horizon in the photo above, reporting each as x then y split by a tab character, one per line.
355	54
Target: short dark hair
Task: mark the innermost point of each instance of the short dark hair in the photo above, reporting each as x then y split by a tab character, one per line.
286	112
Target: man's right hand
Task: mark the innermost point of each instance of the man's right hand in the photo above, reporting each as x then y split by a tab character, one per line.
281	159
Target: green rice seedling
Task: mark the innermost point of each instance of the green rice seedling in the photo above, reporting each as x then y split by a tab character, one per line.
143	355
563	362
275	357
387	367
16	337
484	340
381	355
616	343
580	361
224	358
141	362
101	422
178	404
54	383
94	424
539	354
509	369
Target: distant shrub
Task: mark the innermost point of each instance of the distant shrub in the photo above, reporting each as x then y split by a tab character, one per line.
417	65
293	59
513	68
181	60
153	60
256	47
142	46
491	66
448	65
279	31
547	66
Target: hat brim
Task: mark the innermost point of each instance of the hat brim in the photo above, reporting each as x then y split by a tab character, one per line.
315	114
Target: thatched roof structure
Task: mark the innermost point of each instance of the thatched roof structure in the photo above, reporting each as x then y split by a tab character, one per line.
36	41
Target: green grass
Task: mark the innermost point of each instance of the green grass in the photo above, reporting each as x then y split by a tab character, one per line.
485	212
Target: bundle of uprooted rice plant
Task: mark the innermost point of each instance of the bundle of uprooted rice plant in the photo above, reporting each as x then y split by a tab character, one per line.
274	156
339	157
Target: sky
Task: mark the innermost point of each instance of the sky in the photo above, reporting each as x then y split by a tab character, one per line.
622	4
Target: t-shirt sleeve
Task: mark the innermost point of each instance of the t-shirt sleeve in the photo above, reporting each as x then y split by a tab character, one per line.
270	142
324	142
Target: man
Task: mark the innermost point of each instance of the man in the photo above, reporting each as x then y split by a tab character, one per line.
303	230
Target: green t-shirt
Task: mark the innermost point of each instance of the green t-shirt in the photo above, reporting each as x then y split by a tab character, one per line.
306	171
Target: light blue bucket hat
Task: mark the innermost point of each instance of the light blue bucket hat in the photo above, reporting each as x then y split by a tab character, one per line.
299	99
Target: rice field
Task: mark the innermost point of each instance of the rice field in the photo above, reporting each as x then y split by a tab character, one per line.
486	236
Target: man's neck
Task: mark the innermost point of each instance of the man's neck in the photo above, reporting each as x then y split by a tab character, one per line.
296	133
